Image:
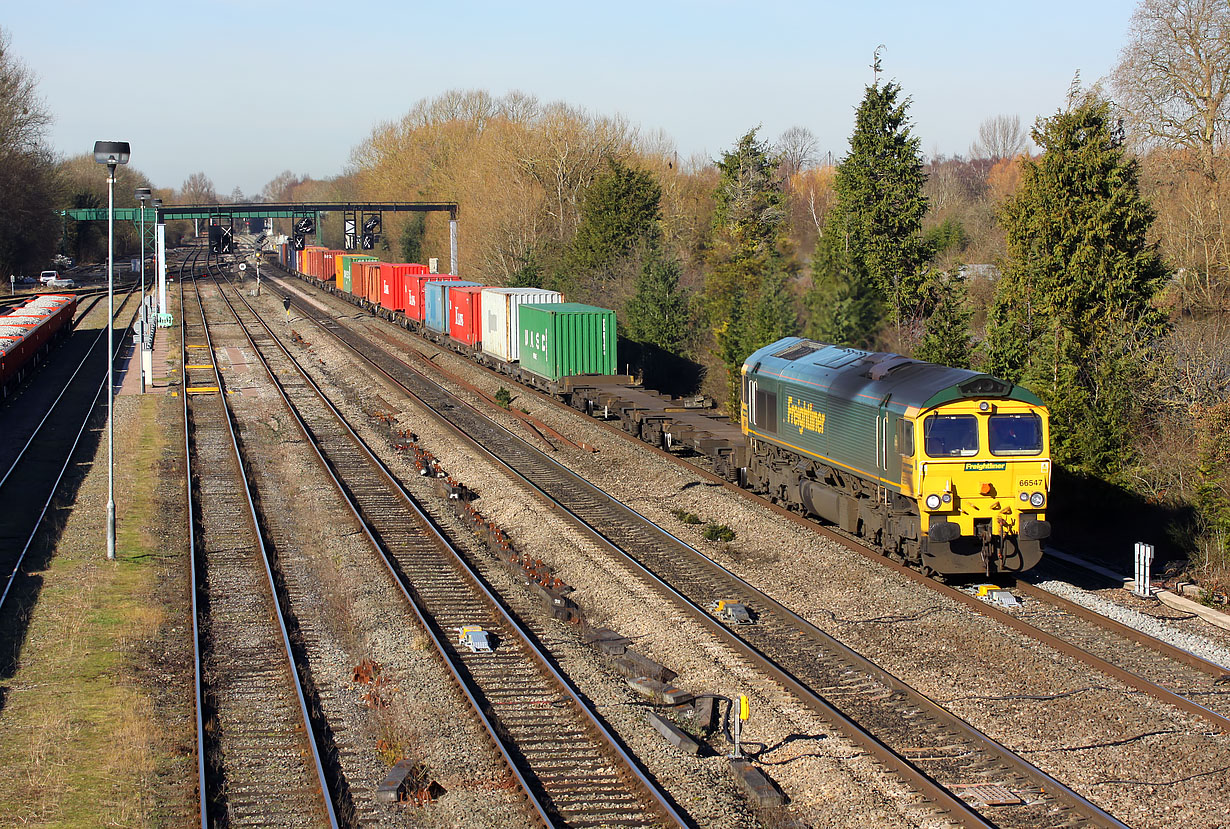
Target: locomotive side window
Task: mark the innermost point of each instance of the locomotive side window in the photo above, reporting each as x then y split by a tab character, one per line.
950	436
1015	434
905	438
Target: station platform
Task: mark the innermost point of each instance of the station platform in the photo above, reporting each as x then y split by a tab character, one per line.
165	374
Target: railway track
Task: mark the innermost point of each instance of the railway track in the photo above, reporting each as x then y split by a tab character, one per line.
1145	663
943	758
1202	687
573	770
59	418
258	757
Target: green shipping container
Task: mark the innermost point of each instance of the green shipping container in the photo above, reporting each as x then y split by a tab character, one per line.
560	339
346	263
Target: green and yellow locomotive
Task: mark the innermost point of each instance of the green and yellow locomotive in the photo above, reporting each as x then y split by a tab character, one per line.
945	468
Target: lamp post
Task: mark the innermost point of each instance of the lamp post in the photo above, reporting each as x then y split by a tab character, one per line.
113	154
143	194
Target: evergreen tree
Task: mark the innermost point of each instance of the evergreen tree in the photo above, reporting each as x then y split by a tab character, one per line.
748	226
659	312
773	314
1073	314
621	212
412	233
880	202
946	336
843	307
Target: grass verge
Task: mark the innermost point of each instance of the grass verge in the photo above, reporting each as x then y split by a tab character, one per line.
97	726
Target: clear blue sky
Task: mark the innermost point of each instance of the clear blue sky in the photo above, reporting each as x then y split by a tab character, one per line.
245	90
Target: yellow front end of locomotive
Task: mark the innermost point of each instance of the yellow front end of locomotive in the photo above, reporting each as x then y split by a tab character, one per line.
984	468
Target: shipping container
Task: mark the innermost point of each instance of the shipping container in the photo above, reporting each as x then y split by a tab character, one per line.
365	280
566	338
342	265
465	314
435	303
392	292
501	313
413	284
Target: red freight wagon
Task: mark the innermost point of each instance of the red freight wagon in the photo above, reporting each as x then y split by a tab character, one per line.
465	320
25	334
414	291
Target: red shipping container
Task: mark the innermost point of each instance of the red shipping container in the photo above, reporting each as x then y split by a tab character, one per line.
392	292
413	283
465	314
393	283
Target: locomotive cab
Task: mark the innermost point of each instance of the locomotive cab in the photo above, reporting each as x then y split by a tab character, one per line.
983	484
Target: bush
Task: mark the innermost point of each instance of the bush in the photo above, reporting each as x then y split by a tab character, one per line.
685	516
719	532
503	397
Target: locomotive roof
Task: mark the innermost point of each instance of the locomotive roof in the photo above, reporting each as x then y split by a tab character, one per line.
873	376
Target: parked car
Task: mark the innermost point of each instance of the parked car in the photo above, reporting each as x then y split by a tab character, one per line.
46	276
61	282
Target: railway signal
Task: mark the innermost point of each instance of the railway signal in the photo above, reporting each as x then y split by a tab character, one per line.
349	228
305	226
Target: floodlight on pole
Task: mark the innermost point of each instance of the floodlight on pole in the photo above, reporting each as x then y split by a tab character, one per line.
113	154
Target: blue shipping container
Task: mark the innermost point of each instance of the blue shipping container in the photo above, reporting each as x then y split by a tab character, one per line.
435	303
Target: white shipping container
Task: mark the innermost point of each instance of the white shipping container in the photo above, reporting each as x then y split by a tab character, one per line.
501	318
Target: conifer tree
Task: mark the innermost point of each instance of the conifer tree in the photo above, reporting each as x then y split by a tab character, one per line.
748	226
659	312
843	307
880	204
621	212
1073	312
946	335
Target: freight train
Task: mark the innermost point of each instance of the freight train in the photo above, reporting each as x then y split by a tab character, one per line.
27	333
942	468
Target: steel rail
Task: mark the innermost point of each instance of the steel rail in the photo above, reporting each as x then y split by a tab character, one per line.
64	389
1166	649
192	562
309	731
900	764
662	801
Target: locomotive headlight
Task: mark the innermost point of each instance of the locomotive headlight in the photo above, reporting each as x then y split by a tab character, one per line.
947	497
1037	499
933	501
1024	496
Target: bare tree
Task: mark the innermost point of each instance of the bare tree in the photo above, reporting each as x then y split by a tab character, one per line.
28	187
23	120
280	187
1173	76
198	189
999	137
796	150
